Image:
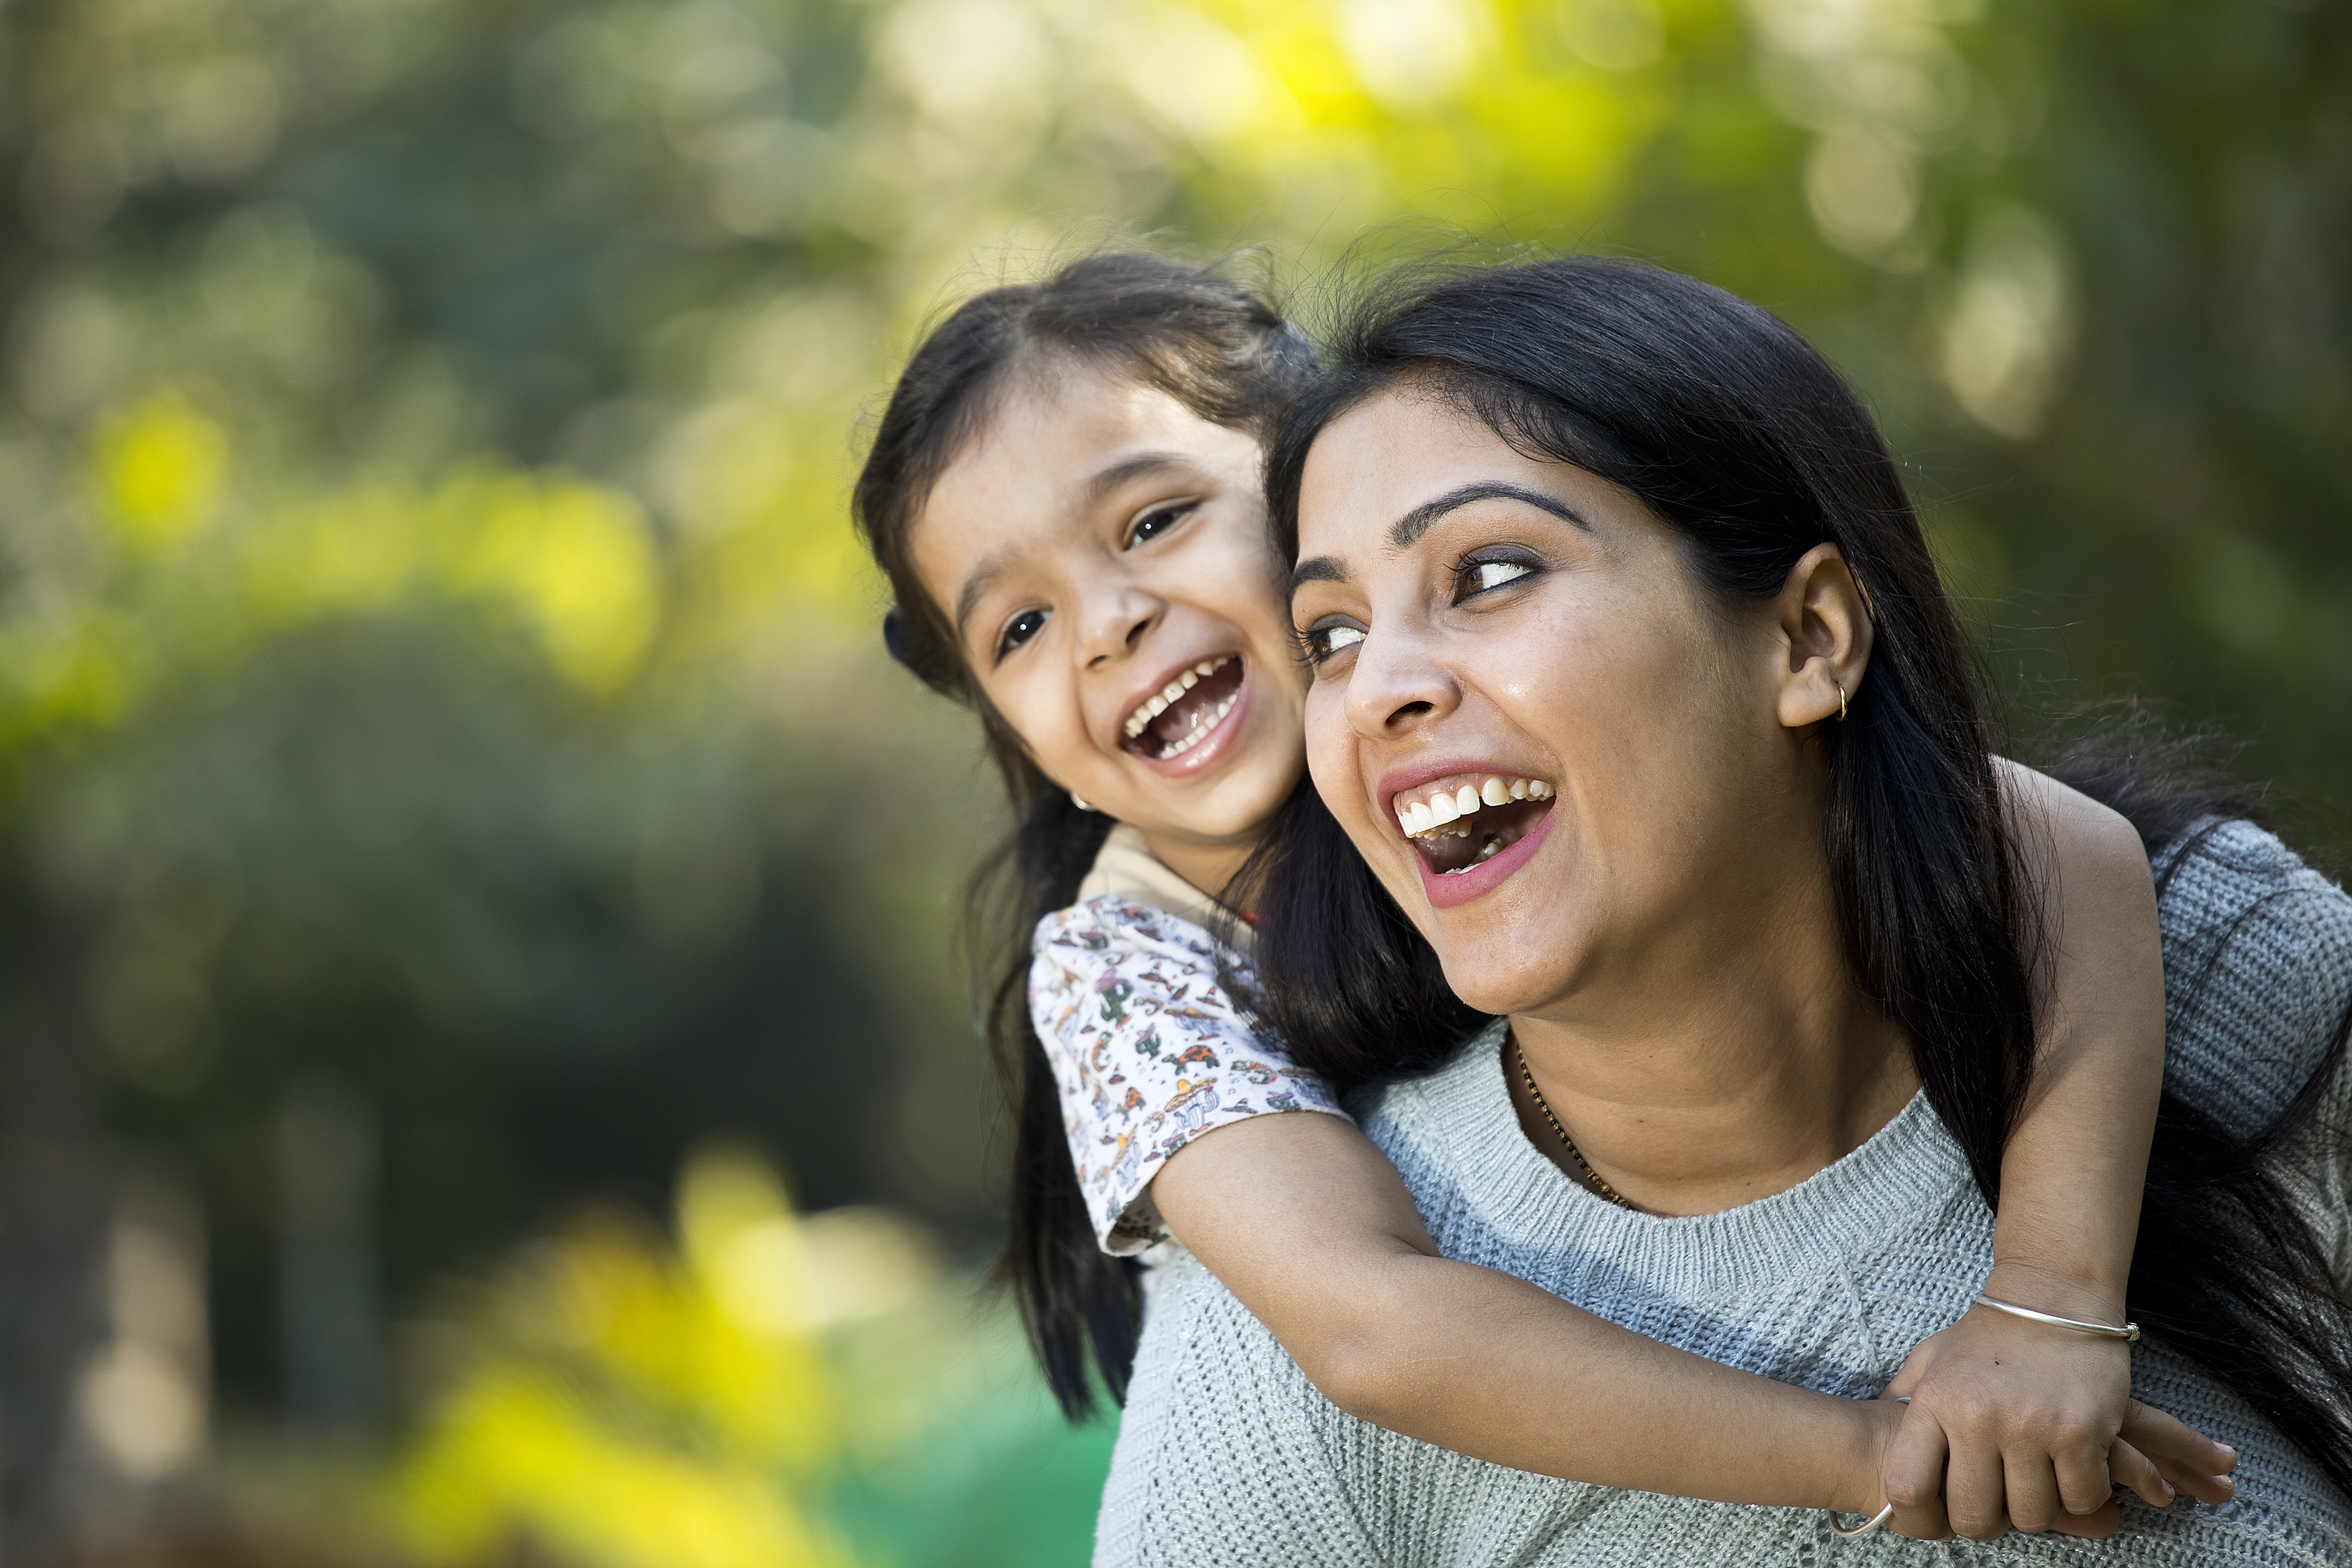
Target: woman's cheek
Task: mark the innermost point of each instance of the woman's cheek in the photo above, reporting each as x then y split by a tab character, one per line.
1331	755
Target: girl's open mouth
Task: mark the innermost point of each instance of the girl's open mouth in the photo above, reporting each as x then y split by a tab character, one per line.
1462	822
1187	711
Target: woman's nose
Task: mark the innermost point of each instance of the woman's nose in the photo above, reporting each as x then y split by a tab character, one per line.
1116	620
1396	686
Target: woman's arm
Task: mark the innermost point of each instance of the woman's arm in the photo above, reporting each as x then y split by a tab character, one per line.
2011	1421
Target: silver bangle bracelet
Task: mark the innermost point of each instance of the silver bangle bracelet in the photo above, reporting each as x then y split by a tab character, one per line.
1883	1515
2129	1332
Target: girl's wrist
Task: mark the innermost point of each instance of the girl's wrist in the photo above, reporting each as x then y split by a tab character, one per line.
1860	1484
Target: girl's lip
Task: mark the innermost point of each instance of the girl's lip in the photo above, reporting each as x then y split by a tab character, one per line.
1206	752
1447	892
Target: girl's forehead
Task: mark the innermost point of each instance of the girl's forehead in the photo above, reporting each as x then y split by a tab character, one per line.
1057	452
1052	448
1060	423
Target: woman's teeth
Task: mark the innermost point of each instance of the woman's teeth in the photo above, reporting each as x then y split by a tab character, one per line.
1437	812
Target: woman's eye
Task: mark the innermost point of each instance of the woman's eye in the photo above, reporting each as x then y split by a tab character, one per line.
1486	574
1019	630
1158	521
1324	641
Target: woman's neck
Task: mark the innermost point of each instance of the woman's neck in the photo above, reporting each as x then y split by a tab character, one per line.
1722	1067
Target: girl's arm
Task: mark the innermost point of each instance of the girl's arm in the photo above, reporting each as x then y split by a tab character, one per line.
1312	1230
2010	1416
1306	1222
1171	1102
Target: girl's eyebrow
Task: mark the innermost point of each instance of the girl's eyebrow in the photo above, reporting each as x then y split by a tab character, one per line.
1104	482
1135	467
989	569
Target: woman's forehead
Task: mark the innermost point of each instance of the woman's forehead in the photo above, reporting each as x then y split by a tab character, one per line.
1396	453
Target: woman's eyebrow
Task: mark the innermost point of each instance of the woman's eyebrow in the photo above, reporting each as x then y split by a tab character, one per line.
1409	528
1321	569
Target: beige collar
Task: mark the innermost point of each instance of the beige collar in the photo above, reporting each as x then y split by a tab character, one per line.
1128	868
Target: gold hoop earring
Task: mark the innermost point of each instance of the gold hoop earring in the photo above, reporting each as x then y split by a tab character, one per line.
1841	686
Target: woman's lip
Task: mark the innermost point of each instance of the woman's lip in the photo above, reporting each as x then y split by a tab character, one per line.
1447	892
1210	747
1405	779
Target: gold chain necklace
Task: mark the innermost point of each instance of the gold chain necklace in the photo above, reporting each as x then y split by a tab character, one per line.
1592	1178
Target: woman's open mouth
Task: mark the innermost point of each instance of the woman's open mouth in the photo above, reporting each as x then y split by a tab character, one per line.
1186	711
1464	821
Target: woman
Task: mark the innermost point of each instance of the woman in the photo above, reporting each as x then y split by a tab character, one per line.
1764	968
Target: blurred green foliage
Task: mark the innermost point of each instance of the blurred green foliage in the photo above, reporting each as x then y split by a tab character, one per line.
777	1393
437	663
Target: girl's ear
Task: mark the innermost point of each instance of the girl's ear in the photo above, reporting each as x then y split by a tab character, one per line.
1823	618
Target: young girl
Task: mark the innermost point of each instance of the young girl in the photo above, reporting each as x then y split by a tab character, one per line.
1064	492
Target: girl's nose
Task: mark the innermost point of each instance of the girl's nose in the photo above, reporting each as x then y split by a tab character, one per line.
1116	620
1396	686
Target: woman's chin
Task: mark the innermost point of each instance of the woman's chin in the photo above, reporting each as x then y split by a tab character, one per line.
1485	976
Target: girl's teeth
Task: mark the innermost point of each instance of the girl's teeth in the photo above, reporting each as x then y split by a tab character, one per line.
1494	792
1201	730
1518	789
1442	809
1160	701
1465	799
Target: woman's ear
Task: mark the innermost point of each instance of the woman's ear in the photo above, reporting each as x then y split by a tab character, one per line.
1824	619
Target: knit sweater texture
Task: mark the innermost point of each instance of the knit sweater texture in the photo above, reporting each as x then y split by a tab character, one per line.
1227	1454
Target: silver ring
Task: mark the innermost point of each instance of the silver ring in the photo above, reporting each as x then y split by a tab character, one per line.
1883	1516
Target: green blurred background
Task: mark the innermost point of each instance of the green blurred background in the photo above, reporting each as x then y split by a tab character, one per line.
467	878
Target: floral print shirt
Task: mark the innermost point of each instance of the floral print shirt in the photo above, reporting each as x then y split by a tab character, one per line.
1150	1051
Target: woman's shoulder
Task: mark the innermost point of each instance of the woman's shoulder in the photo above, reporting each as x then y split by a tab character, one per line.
2257	969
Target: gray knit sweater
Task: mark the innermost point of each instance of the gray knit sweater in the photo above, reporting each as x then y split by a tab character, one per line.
1228	1455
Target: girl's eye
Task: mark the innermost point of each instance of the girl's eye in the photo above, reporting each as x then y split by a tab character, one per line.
1158	521
1019	630
1481	575
1327	641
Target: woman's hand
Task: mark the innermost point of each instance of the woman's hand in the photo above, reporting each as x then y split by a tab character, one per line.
2015	1424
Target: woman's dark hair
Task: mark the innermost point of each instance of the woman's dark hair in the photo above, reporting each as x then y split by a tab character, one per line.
1209	343
1746	441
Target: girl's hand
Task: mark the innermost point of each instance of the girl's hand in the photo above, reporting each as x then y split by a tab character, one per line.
2015	1424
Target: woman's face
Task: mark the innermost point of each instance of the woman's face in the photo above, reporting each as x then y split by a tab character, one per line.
1491	628
1102	553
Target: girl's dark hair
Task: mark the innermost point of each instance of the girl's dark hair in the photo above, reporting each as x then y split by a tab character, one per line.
1209	343
1746	441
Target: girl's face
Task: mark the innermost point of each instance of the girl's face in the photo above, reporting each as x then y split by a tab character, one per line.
1102	554
1563	756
